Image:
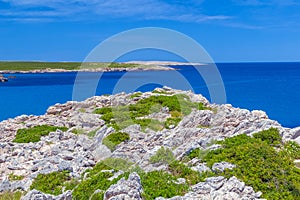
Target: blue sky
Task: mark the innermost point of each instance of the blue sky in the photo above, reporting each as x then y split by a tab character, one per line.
230	30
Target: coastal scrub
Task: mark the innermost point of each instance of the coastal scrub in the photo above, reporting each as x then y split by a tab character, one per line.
51	183
35	133
120	117
263	162
113	139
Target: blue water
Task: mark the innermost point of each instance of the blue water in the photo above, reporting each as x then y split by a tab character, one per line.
272	87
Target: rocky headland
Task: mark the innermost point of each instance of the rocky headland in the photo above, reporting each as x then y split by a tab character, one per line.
164	144
98	67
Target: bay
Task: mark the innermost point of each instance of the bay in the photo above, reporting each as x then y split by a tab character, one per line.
272	87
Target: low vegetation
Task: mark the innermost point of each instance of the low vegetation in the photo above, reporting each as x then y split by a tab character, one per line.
120	117
97	179
135	95
113	139
163	156
27	66
92	133
51	183
11	195
13	177
161	184
176	168
78	131
263	162
35	133
171	122
155	183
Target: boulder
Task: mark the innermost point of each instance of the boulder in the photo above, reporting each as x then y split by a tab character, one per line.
130	189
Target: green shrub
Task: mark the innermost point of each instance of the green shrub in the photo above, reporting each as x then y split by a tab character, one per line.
180	103
198	153
120	117
172	122
51	183
259	164
11	195
270	136
13	177
86	188
97	196
35	133
113	139
176	114
293	149
180	170
164	156
135	95
202	107
149	123
78	131
103	110
161	184
92	134
98	180
117	164
106	113
97	168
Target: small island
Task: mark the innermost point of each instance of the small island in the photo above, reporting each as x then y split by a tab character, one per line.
3	79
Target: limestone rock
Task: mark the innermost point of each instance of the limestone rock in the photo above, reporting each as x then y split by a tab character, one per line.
219	188
125	189
222	166
37	195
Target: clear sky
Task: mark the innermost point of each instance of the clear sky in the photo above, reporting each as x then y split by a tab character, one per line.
230	30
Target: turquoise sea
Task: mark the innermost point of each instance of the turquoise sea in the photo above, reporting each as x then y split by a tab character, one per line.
272	87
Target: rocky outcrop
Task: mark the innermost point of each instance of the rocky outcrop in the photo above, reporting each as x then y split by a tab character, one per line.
125	189
219	188
222	166
37	195
60	150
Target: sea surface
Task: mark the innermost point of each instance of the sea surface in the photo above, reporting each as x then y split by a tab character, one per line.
272	87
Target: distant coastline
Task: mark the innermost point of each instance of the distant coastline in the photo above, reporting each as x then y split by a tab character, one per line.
48	70
55	67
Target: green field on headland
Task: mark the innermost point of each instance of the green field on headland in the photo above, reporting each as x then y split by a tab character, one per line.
28	66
